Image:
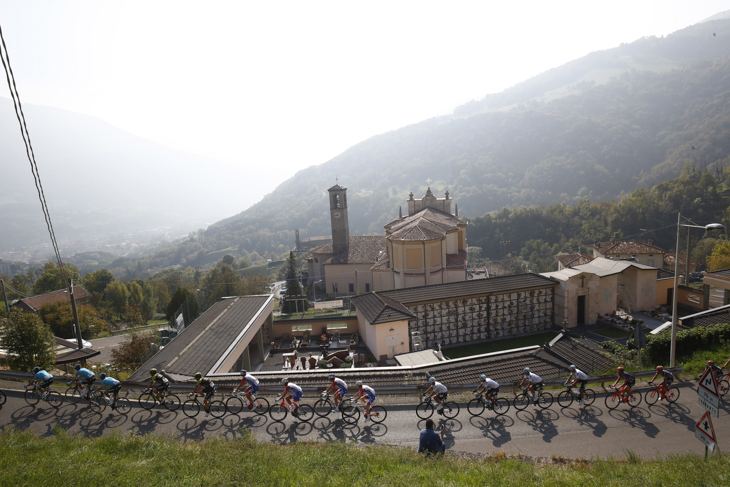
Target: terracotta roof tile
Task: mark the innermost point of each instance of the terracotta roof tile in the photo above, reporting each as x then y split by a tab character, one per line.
35	303
362	250
570	260
627	247
426	224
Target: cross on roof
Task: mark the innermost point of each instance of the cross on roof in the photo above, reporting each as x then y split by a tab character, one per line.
428	181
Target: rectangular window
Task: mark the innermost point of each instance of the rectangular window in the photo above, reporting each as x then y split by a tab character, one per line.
334	287
336	326
367	287
301	328
351	287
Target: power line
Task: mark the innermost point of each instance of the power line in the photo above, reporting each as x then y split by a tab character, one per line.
10	77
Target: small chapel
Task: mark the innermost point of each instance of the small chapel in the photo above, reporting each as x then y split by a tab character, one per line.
427	246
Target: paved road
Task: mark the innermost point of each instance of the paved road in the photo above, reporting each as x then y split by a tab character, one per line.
573	432
105	346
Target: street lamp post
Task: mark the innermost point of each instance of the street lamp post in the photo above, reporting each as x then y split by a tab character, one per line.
711	226
314	290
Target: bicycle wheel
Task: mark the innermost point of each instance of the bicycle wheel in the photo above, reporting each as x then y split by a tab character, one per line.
217	409
450	410
588	397
73	395
323	407
147	400
260	405
278	412
724	386
97	404
31	396
3	398
565	399
305	413
521	401
651	397
350	414
475	407
55	399
191	408
171	402
123	405
545	400
378	414
424	410
634	399
234	405
500	406
672	395
613	400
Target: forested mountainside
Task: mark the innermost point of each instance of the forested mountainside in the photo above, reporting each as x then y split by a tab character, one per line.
593	129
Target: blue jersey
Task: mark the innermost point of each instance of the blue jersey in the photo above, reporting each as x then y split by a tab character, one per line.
252	381
110	382
85	374
42	376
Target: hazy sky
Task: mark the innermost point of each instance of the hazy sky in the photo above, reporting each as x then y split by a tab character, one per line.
269	88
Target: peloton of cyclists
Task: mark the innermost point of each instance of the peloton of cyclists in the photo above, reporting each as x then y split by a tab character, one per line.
341	387
438	392
581	377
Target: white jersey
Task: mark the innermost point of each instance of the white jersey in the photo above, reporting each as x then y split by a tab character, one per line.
340	384
439	387
533	378
490	384
580	375
252	381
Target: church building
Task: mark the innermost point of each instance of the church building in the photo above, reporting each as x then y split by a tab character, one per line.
428	246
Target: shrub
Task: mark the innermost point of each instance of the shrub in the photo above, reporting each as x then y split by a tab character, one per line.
688	341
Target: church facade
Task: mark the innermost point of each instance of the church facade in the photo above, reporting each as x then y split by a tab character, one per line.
428	246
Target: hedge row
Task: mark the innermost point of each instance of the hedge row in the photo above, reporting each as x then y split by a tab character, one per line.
688	341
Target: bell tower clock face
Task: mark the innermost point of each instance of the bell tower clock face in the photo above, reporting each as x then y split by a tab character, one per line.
337	214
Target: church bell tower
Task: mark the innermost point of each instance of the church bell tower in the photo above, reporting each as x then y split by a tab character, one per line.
338	217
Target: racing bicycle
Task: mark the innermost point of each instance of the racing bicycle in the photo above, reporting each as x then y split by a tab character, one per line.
278	413
149	399
351	414
661	392
238	402
33	395
566	397
425	409
524	399
477	405
623	394
192	406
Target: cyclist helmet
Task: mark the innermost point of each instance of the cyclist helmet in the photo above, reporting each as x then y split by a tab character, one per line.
572	367
482	377
660	368
153	371
358	383
243	373
526	370
198	375
36	370
102	376
619	369
77	367
285	380
331	376
431	380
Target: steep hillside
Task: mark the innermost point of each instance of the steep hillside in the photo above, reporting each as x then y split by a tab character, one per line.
595	128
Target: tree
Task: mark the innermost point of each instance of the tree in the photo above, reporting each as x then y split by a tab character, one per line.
59	317
97	281
133	315
190	310
118	295
135	293
293	287
53	279
134	350
28	341
720	258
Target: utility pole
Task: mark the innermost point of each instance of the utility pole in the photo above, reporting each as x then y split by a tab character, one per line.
77	326
5	296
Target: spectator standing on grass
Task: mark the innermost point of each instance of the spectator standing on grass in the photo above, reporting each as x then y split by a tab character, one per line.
430	441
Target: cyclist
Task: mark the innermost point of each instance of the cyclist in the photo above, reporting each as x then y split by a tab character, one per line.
42	379
366	394
204	387
161	382
533	382
579	376
251	385
341	387
489	386
85	377
715	369
110	385
438	392
629	381
667	379
292	393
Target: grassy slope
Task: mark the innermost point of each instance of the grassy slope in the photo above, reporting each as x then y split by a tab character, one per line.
499	345
129	460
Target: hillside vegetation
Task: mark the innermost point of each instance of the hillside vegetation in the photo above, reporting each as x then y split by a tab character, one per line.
596	129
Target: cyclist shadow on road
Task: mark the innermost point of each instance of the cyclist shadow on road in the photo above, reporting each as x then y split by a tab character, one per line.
234	422
677	413
636	418
281	433
587	416
541	420
104	423
328	430
146	421
367	433
494	428
27	416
